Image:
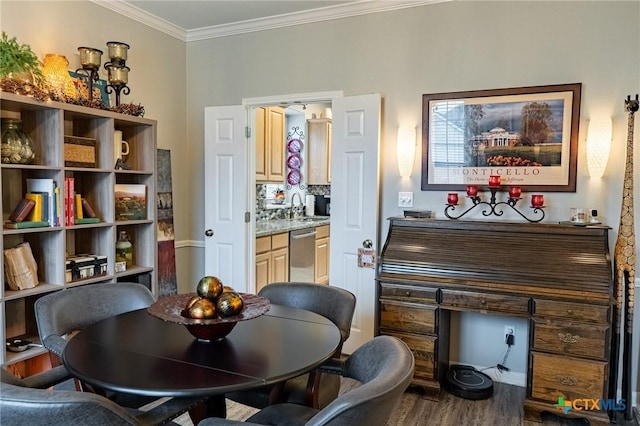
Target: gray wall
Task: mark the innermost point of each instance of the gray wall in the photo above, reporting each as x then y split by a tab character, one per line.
443	47
439	48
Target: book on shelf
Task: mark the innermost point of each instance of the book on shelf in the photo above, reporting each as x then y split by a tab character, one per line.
21	211
45	186
69	203
130	201
35	215
27	224
78	206
87	210
85	220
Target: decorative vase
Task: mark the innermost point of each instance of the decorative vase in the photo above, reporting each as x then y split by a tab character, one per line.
124	249
16	148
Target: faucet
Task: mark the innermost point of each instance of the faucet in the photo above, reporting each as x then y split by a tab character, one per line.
294	212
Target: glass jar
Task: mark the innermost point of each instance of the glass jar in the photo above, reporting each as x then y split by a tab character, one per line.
16	148
124	249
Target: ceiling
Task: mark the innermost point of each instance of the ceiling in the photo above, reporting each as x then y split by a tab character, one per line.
192	20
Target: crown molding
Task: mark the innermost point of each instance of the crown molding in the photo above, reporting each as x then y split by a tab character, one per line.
143	17
357	8
328	13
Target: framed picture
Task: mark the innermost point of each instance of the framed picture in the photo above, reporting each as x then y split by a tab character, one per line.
527	135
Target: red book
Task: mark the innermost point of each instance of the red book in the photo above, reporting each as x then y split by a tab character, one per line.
69	202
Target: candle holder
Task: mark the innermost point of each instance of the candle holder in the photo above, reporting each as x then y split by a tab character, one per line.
118	71
492	207
90	60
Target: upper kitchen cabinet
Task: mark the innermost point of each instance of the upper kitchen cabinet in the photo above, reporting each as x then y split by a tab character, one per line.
319	151
270	133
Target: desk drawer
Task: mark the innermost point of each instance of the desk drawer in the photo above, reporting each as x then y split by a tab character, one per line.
571	378
394	291
424	351
485	302
410	317
584	340
571	311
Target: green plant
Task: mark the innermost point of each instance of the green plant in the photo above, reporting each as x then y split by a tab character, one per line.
16	59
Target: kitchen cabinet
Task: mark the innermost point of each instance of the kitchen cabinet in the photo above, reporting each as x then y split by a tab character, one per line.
270	144
272	259
319	151
321	272
47	124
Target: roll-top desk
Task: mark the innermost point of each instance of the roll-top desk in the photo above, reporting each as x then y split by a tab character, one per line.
557	276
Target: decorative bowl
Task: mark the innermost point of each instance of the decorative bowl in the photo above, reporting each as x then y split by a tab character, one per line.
173	309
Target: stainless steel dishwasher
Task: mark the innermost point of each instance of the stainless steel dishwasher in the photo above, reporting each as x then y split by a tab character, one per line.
302	253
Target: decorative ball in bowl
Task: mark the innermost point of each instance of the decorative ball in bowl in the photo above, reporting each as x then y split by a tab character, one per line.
174	309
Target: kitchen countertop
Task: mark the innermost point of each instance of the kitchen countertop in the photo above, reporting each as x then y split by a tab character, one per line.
269	227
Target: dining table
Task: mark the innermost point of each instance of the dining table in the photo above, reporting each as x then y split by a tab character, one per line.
141	354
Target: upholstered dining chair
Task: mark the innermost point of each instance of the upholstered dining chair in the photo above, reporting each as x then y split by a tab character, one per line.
27	402
314	389
63	312
384	367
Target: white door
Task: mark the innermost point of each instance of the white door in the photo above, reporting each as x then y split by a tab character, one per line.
225	156
354	205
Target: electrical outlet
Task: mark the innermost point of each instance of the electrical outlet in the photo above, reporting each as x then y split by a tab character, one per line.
509	329
405	199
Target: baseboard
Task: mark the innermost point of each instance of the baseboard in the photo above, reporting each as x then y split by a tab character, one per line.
507	377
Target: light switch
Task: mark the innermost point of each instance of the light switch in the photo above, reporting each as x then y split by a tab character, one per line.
405	199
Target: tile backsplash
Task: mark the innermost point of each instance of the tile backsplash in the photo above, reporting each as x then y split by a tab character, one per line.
264	193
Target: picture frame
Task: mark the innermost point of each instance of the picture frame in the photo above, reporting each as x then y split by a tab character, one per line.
526	135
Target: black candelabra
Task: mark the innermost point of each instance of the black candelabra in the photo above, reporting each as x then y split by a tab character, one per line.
494	207
118	71
90	60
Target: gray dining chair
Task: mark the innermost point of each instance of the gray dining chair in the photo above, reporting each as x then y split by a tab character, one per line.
384	367
27	402
314	389
63	312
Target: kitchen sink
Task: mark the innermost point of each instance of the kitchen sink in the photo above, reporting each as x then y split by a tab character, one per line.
314	219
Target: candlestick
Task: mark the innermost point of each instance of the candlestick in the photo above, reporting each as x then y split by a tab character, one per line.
491	206
537	200
515	191
472	190
494	181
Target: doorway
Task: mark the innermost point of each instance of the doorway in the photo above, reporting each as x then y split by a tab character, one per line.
354	219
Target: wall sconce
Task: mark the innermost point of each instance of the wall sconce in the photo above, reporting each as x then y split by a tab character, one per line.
406	146
598	145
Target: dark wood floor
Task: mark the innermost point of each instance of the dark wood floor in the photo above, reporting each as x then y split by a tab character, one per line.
504	408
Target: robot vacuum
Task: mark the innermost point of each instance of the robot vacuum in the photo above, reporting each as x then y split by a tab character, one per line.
466	382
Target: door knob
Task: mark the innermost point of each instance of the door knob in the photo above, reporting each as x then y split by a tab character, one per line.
209	232
367	243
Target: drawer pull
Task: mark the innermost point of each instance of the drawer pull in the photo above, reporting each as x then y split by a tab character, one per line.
566	380
569	311
408	293
483	301
568	338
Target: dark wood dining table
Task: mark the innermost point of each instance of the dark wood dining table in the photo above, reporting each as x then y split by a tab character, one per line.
140	354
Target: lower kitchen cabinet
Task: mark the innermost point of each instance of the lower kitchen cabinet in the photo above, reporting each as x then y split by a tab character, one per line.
272	259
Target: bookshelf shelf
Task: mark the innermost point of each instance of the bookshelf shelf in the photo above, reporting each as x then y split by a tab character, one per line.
47	124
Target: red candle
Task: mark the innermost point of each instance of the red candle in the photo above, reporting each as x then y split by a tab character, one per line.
452	199
494	181
515	191
472	190
537	200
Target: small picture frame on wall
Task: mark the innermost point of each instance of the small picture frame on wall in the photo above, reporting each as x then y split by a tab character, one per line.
526	135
